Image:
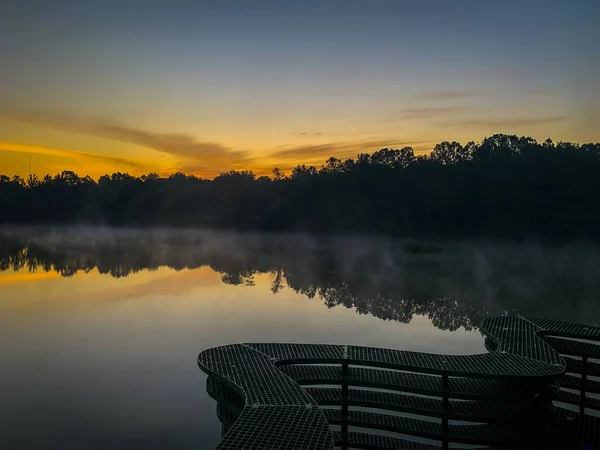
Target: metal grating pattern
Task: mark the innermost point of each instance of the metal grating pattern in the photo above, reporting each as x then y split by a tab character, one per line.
575	399
519	336
392	379
462	388
459	410
224	394
407	425
398	402
254	374
284	428
566	329
497	390
226	416
314	374
279	414
574	348
484	365
369	441
572	382
493	411
520	353
493	434
302	352
576	366
378	399
485	434
572	430
376	442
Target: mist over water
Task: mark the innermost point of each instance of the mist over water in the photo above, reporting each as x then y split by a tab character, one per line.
527	277
100	328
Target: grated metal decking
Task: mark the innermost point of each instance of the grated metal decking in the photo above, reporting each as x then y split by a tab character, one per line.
501	399
458	388
368	441
493	412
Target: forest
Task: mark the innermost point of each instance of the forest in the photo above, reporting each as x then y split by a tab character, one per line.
505	187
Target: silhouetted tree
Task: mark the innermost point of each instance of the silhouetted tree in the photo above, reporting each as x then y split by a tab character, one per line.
505	186
450	153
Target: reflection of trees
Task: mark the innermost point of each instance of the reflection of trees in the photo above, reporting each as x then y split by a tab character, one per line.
456	288
405	287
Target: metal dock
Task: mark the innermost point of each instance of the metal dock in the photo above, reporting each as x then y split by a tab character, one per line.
535	389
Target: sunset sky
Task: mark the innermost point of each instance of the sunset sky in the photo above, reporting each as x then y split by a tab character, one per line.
208	86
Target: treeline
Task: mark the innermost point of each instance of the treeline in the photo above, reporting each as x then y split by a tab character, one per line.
505	186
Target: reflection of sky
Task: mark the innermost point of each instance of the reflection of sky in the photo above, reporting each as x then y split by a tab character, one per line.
102	360
266	77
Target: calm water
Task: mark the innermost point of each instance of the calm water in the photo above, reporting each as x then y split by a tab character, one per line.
99	329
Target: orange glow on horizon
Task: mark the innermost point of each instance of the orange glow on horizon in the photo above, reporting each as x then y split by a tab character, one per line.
25	276
118	148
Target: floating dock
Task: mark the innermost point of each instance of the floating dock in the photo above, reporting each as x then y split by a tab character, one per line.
536	388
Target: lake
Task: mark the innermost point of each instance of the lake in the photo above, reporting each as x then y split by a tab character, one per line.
100	328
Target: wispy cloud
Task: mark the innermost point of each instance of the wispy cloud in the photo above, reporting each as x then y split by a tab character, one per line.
428	112
445	95
307	134
516	70
13	147
209	156
347	149
512	122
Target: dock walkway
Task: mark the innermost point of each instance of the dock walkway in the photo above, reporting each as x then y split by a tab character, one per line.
534	389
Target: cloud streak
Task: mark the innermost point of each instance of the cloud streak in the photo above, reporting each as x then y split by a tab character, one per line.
428	112
12	147
517	122
209	158
204	155
347	149
305	134
446	95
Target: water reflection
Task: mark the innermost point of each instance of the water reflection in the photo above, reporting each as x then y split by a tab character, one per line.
456	288
96	357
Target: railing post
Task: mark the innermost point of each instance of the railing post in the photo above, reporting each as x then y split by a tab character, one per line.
543	403
446	403
582	391
584	361
345	376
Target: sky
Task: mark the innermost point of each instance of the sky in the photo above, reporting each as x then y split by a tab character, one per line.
205	87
